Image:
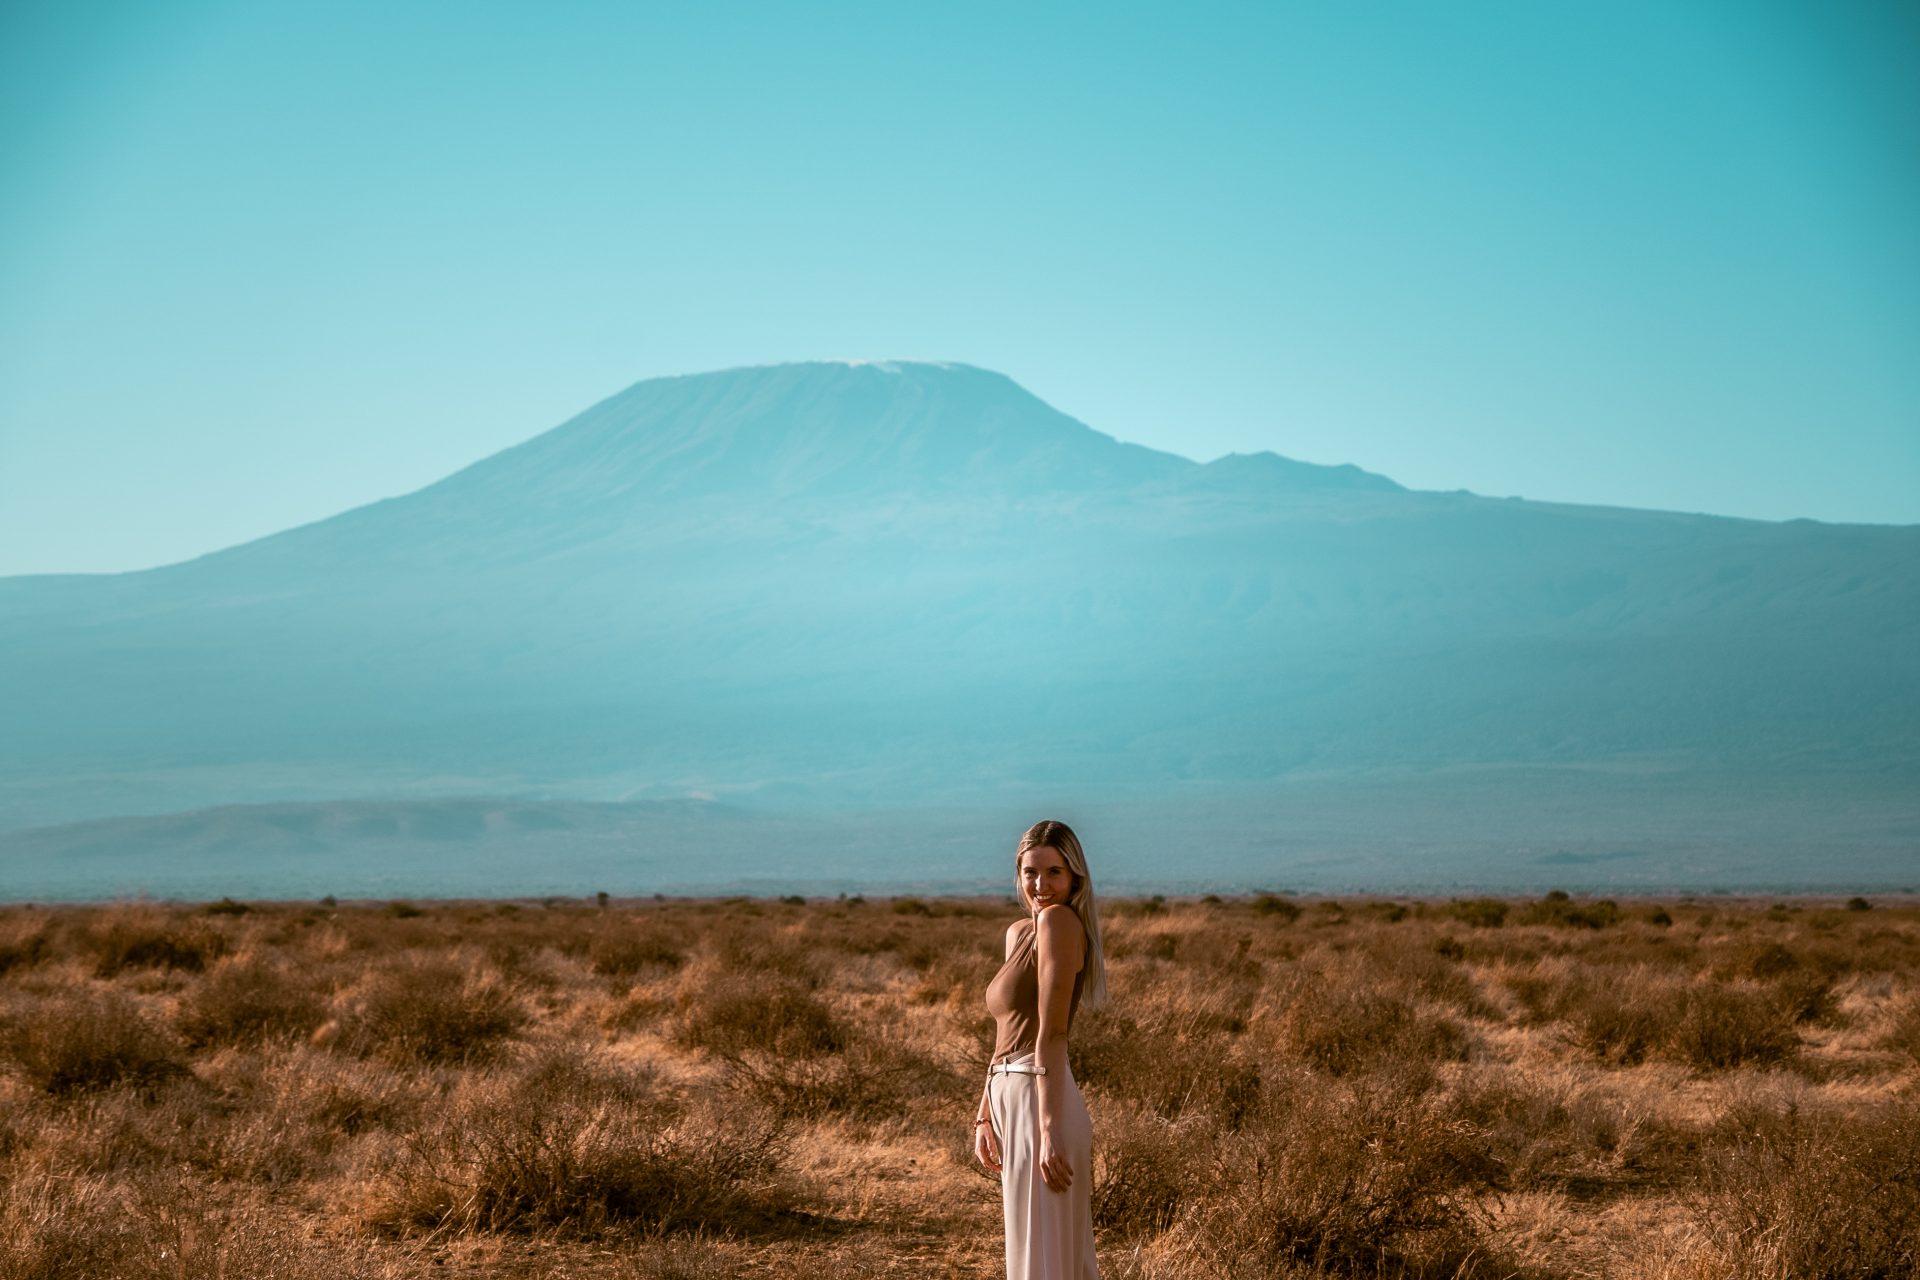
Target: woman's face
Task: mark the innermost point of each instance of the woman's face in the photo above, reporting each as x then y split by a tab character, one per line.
1044	877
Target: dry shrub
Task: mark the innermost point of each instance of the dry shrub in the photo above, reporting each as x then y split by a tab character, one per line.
1700	1023
88	1038
154	1228
246	1000
282	1118
1342	1023
148	938
877	938
732	1015
1429	972
1224	1149
1176	1058
1275	907
1356	1177
629	952
1716	1027
25	941
764	954
695	1257
1561	1137
1623	1022
1627	1021
1767	960
1564	911
1225	955
1142	1169
351	1098
1806	997
785	1046
1552	989
1802	983
429	1009
1814	1196
177	1124
1481	913
580	1147
264	1119
638	1007
57	1228
1903	1029
874	1076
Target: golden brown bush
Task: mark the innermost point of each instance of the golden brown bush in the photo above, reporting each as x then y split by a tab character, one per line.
874	1077
142	937
1801	1195
1180	1057
1564	911
1481	913
1427	973
787	955
1273	906
429	1009
732	1014
1358	1177
161	1227
627	951
25	940
57	1228
1903	1029
1143	1169
1701	1023
575	1145
1719	1026
1552	990
1340	1023
88	1038
785	1046
686	1257
244	1000
1556	1135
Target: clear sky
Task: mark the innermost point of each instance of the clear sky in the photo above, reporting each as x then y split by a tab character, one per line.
261	262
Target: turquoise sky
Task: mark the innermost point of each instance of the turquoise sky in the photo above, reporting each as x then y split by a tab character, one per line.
260	262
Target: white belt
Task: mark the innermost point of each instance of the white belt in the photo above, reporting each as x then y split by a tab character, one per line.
1016	1069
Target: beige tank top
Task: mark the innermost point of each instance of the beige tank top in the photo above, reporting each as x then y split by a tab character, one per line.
1013	998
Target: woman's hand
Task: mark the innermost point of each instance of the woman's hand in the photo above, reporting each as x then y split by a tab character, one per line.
986	1146
1054	1168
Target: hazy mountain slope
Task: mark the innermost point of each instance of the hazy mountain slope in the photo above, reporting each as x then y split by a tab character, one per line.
849	583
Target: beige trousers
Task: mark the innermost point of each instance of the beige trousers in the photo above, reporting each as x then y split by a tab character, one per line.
1049	1233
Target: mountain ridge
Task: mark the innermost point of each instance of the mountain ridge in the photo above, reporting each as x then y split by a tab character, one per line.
796	434
906	583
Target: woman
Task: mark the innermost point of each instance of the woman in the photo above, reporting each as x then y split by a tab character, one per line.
1031	1127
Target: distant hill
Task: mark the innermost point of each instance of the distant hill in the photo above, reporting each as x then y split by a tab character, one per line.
838	586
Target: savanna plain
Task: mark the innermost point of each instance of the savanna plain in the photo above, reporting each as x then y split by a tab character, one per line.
699	1090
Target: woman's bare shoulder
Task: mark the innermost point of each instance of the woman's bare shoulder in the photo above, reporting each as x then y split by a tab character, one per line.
1014	931
1060	925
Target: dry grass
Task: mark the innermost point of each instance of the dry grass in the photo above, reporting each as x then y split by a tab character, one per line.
710	1090
87	1038
576	1145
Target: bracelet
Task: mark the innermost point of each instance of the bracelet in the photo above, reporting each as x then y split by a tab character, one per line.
982	1120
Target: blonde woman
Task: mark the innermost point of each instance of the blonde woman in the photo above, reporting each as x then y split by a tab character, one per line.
1031	1127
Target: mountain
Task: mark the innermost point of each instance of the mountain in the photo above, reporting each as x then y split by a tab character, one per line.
846	586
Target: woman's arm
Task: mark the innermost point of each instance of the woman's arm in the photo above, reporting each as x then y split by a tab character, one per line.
986	1143
1062	947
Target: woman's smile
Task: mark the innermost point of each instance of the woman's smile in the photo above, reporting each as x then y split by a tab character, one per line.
1045	877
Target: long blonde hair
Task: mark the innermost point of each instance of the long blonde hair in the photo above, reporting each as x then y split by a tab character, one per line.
1058	836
